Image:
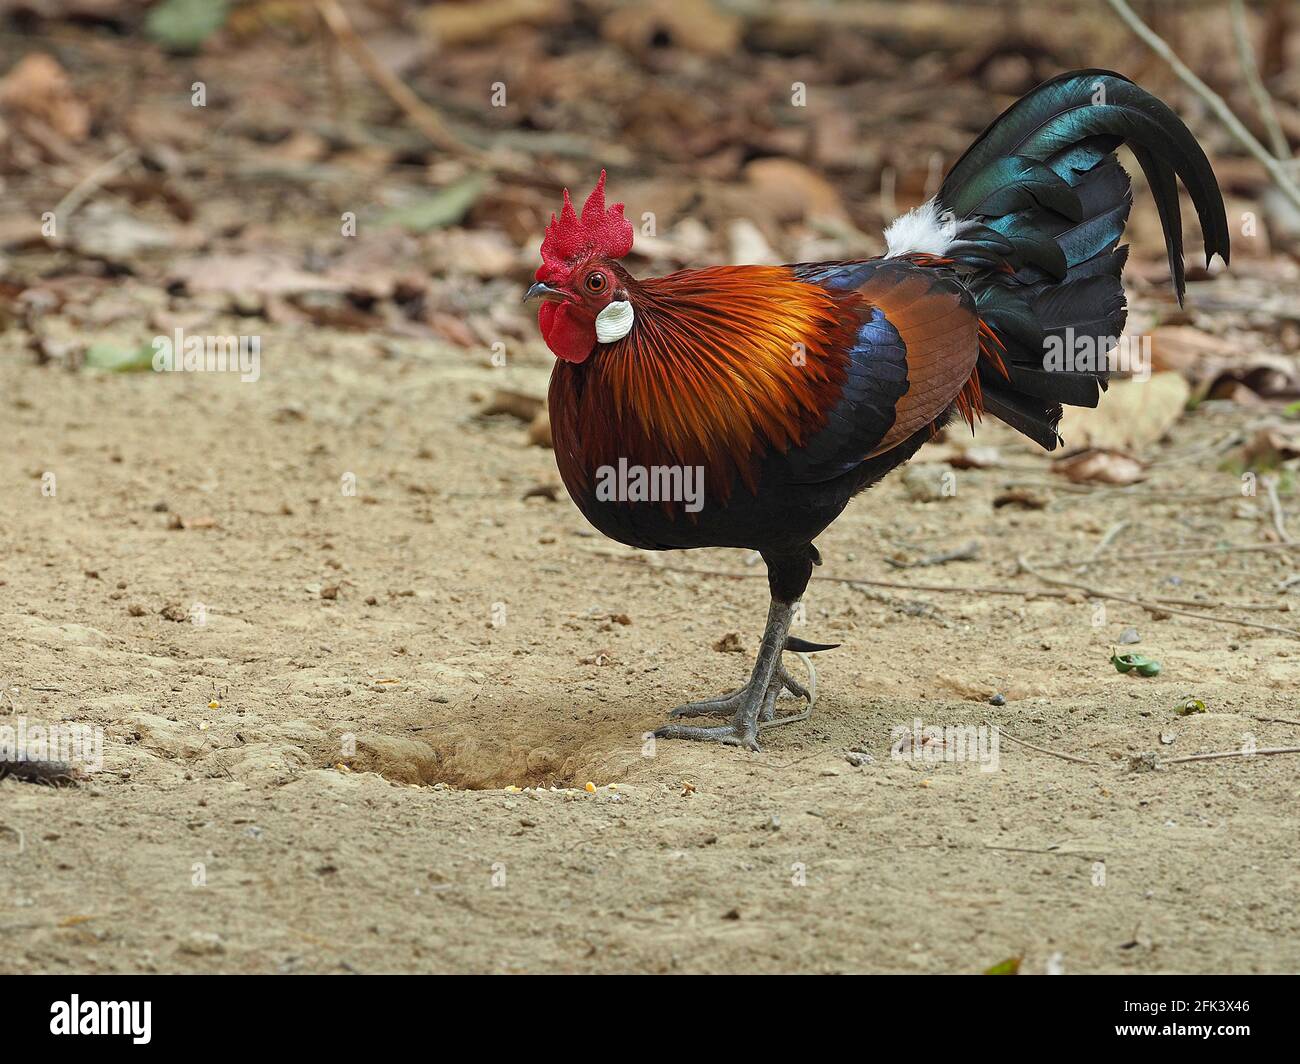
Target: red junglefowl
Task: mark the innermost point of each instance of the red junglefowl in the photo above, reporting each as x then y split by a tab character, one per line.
744	406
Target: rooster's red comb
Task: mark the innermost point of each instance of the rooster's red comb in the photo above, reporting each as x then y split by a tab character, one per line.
572	237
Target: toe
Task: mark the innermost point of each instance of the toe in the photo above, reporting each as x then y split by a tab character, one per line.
726	734
722	706
701	709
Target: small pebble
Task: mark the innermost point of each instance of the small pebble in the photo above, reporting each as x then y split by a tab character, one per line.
203	943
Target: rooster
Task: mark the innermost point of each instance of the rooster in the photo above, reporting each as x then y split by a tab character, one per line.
744	406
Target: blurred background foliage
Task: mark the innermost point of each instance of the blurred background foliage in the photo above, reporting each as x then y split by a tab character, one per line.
389	166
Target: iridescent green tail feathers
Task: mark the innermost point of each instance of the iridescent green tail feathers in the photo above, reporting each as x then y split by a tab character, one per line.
1040	203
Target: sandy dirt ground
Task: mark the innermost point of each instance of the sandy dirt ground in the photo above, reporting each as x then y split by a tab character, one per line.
314	779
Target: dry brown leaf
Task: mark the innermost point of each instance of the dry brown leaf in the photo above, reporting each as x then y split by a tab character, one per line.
1270	447
480	253
791	191
37	87
700	26
266	273
1186	350
516	404
1267	376
107	231
1133	414
539	430
975	458
452	329
749	246
484	20
1100	467
1022	498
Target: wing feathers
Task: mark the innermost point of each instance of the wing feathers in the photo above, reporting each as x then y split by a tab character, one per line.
936	321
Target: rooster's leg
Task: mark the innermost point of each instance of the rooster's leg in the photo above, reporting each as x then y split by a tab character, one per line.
755	701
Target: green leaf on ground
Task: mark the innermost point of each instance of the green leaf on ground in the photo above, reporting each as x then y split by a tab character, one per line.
445	207
1010	966
113	359
183	25
1135	663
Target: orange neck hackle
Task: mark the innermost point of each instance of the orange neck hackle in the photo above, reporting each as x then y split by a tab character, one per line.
722	364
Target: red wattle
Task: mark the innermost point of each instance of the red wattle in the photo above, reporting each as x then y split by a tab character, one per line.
569	336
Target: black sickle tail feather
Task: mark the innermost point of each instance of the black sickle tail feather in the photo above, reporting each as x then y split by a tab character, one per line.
1041	202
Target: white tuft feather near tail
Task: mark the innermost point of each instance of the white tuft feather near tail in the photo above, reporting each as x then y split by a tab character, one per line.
928	229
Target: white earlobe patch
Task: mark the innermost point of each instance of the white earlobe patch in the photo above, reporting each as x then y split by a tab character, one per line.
614	322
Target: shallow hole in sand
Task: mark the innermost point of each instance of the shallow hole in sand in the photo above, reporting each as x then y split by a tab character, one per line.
473	762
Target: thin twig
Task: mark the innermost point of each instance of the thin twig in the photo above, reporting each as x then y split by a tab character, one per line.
1158	603
848	581
1275	504
1276	169
1103	546
1191	552
1042	749
92	182
964	553
422	116
1262	752
968	589
1250	71
1051	851
1153	607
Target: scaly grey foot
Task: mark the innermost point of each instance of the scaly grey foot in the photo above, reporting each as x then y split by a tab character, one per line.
726	705
752	707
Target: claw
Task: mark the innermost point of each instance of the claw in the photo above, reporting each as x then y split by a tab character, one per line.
801	646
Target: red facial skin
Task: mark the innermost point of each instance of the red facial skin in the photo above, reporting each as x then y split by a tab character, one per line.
569	325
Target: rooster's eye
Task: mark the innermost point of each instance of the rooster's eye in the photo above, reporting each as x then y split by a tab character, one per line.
596	282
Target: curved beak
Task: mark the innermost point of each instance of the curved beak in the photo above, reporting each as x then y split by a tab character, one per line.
545	291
